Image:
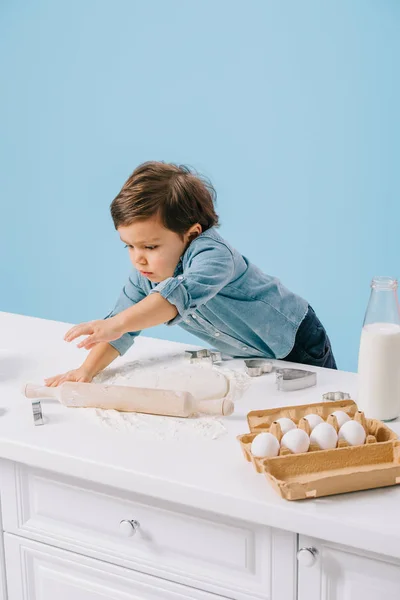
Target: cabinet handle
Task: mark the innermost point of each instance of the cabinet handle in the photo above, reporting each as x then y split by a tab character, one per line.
128	528
307	556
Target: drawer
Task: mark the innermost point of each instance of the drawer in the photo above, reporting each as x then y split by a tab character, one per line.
203	550
39	572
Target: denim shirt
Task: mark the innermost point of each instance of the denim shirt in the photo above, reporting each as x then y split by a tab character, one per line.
223	299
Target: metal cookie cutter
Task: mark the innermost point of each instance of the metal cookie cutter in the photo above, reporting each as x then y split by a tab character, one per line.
289	380
256	367
37	413
203	355
333	396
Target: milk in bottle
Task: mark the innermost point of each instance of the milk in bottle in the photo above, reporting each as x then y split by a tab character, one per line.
379	355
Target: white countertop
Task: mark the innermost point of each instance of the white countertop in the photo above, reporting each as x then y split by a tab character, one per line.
210	475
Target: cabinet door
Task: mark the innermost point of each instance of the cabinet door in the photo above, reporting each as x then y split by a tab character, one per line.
3	592
39	572
334	572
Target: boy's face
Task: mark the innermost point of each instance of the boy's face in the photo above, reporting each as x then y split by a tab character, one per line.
154	250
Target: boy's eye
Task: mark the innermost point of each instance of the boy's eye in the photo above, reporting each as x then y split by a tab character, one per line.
146	247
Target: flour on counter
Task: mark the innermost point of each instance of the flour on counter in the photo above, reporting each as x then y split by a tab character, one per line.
203	381
157	427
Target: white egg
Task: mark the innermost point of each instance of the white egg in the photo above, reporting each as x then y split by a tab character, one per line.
265	445
353	432
341	417
325	436
296	440
286	424
314	420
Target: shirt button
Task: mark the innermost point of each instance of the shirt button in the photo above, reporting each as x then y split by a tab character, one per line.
244	348
180	276
194	317
217	333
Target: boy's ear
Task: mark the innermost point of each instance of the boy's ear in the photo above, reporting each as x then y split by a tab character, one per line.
194	232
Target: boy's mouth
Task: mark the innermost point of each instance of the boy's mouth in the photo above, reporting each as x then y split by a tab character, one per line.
146	273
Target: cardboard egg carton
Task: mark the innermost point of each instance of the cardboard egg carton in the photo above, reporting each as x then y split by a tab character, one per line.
325	472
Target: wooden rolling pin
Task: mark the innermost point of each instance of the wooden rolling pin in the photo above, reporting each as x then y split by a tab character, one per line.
129	399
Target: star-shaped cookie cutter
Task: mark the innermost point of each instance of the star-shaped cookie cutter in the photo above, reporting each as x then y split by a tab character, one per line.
203	355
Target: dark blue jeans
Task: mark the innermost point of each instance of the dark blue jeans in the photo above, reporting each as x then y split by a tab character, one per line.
312	345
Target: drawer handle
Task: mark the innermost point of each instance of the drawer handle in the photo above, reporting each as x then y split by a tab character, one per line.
128	528
307	556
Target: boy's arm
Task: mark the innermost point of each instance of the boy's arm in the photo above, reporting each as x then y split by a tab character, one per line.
152	310
210	269
99	358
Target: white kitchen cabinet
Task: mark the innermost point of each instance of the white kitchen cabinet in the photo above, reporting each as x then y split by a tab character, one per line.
333	572
39	572
197	550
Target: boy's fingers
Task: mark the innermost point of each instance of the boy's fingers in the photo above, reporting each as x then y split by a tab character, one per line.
90	346
73	333
89	341
70	332
77	331
55	381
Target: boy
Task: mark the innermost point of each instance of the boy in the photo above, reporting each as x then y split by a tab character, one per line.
185	273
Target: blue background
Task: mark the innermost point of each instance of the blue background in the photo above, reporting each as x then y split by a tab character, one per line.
291	108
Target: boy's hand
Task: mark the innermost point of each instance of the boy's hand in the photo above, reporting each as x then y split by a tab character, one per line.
105	330
80	374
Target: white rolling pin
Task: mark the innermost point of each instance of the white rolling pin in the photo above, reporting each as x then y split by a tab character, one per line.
129	399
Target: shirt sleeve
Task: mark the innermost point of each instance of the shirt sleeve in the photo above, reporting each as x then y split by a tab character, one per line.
209	270
130	295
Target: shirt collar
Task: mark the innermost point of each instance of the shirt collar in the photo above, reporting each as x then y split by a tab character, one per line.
178	268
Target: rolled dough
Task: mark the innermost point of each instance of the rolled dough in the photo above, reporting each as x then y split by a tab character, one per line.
204	383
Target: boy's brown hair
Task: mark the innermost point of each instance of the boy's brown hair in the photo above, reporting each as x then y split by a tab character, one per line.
180	197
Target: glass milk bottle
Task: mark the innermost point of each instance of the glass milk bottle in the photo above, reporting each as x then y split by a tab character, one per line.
379	356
